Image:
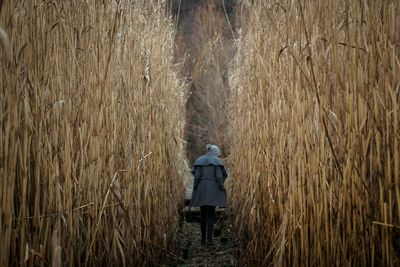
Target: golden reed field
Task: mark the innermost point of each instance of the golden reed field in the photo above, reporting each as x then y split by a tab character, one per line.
315	151
93	111
91	134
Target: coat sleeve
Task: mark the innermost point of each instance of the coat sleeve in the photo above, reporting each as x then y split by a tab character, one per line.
224	173
220	177
196	172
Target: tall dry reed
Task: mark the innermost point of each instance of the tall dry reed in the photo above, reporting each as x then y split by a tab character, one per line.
91	134
204	43
315	145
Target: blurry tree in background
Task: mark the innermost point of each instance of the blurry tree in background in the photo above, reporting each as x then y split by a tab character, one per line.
204	46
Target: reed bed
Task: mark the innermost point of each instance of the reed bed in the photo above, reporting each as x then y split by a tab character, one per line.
91	134
315	134
204	48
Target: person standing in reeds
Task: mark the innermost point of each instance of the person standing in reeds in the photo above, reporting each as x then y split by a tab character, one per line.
208	189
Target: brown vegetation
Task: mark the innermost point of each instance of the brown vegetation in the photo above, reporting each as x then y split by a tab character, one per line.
91	134
315	145
204	42
92	119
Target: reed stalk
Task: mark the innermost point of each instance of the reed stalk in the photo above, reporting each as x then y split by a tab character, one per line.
91	134
315	133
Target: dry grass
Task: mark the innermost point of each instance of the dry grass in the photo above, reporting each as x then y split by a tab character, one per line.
205	37
91	134
315	133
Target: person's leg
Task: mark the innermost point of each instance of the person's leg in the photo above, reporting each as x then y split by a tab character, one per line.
210	223
203	210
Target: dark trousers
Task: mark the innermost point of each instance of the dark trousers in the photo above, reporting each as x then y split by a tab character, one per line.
207	223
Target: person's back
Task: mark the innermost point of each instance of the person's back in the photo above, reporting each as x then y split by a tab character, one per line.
208	189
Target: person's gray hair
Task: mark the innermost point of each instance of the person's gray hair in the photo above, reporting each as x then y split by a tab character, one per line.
213	150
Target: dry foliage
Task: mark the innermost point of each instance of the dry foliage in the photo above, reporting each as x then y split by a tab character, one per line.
91	134
204	38
315	145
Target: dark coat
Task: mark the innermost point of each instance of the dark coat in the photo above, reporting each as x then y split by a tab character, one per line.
209	177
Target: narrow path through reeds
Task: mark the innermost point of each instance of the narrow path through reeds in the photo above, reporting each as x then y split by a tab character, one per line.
190	251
